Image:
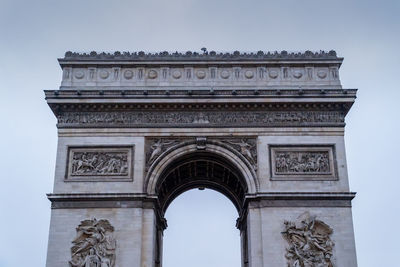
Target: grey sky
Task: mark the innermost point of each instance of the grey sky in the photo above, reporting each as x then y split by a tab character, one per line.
34	33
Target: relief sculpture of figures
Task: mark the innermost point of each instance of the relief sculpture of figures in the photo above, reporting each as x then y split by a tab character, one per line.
98	163
247	148
157	148
310	243
94	245
302	162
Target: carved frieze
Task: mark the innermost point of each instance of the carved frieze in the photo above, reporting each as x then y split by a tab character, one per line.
99	163
309	242
302	162
94	244
169	118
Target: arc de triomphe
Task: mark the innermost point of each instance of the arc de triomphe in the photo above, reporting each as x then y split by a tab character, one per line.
135	130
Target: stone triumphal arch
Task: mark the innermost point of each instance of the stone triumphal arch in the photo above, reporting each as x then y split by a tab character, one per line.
135	130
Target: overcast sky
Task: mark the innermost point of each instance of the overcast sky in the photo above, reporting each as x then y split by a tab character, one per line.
33	34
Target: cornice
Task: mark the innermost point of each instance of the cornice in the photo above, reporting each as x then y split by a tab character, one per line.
210	93
118	100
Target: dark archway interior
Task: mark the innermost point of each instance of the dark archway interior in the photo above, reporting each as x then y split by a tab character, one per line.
201	170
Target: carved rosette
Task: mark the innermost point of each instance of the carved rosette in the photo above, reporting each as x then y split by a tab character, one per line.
94	244
309	242
99	163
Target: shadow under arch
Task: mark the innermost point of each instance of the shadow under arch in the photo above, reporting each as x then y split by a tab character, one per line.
215	166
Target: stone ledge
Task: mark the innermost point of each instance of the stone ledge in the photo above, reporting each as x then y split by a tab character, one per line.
199	92
300	199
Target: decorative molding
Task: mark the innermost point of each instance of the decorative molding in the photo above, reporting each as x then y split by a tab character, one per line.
112	163
215	119
253	96
94	245
309	242
85	78
300	199
275	69
101	200
192	55
303	162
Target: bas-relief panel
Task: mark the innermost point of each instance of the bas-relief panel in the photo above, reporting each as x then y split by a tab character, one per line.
305	162
166	118
94	245
100	163
310	243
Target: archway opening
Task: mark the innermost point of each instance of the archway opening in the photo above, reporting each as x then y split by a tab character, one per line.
201	170
201	231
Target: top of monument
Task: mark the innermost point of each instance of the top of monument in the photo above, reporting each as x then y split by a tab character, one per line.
205	69
202	56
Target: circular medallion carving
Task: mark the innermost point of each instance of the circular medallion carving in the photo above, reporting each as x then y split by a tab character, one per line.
79	74
152	74
273	74
176	74
249	74
322	74
201	74
104	74
297	74
225	74
128	74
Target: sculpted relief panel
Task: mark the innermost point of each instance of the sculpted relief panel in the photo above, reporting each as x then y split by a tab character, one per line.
246	147
310	243
167	118
99	163
302	162
94	245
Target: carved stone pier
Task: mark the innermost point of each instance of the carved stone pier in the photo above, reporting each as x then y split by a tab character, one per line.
135	130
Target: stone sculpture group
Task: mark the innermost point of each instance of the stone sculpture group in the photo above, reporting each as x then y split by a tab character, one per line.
94	245
310	243
302	162
91	163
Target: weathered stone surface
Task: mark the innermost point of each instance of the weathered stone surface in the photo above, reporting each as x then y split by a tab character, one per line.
192	69
265	129
100	163
94	244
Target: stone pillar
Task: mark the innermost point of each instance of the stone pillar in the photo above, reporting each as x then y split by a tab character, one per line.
149	238
254	232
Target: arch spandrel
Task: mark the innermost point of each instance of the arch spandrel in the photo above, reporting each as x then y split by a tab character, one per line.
244	168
